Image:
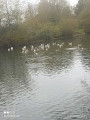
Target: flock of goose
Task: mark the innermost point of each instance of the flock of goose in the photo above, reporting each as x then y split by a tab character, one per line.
41	47
10	49
44	47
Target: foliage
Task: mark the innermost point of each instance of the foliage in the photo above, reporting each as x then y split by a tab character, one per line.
49	19
82	4
84	20
48	31
68	27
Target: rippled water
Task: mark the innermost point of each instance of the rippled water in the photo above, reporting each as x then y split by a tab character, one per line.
53	85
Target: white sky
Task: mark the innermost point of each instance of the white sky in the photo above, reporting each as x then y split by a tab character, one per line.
71	2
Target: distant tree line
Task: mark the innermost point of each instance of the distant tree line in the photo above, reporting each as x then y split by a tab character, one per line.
82	11
49	19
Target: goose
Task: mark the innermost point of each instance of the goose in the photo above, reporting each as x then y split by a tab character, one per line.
24	48
79	45
8	49
36	53
53	44
22	52
60	45
46	49
34	50
11	48
32	47
41	46
26	51
70	44
63	43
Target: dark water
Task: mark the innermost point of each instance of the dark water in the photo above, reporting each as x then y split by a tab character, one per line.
52	85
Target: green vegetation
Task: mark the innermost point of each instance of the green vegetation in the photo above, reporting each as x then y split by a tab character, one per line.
82	12
49	19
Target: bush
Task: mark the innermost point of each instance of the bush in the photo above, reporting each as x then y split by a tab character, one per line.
68	27
48	31
84	20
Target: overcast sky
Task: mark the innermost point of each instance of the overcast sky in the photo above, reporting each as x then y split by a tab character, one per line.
71	2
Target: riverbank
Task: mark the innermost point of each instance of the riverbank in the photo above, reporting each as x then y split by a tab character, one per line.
36	40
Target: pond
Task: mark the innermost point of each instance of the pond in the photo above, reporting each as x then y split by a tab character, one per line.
51	82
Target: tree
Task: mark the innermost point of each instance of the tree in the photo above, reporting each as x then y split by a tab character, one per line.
11	12
81	5
43	11
7	13
84	20
53	10
16	12
30	12
1	12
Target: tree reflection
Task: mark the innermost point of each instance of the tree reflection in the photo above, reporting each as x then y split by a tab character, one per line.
86	52
15	79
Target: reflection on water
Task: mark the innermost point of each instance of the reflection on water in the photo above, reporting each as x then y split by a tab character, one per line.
50	85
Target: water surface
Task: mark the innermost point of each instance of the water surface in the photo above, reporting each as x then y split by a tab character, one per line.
52	85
